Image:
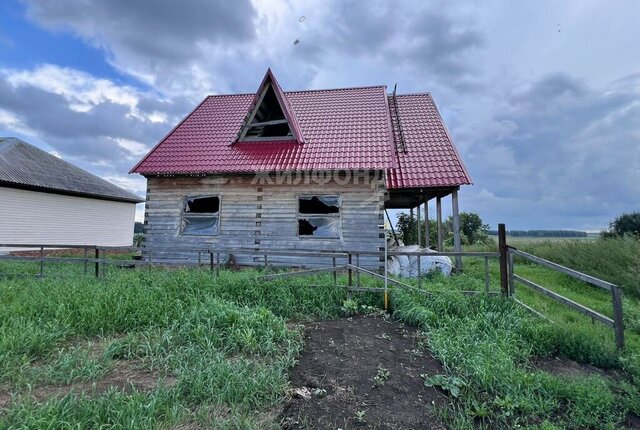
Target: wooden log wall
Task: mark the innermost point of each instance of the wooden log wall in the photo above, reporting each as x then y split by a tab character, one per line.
261	213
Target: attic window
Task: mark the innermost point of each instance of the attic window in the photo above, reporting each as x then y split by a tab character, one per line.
319	216
267	121
201	216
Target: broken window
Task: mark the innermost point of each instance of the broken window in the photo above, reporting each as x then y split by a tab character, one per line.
319	216
201	216
268	120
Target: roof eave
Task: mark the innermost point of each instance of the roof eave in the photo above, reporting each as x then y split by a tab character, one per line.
16	185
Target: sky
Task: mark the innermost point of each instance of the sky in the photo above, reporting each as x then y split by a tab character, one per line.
542	98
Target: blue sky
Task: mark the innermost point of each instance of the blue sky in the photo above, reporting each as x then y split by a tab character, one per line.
542	98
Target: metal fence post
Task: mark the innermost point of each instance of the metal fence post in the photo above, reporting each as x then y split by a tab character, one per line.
419	270
97	262
486	273
217	264
502	249
211	262
85	261
41	261
358	272
617	316
350	271
335	274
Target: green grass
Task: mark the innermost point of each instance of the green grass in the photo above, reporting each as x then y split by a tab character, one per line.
229	344
491	343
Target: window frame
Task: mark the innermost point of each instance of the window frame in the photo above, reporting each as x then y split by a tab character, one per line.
338	216
248	124
184	214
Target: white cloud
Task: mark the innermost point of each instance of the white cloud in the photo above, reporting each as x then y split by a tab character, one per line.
533	110
134	183
135	148
82	90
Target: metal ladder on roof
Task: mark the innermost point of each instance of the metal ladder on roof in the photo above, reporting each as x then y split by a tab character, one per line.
396	125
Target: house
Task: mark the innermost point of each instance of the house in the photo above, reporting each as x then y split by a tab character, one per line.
47	201
306	170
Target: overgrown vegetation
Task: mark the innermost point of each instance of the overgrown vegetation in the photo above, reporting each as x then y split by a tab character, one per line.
227	345
489	345
225	340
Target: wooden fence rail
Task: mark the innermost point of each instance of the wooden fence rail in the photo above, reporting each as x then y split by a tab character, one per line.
616	323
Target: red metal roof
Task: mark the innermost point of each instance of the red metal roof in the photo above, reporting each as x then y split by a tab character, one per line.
341	129
431	159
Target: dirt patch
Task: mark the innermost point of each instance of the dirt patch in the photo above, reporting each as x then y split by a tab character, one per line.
632	421
560	366
362	372
124	376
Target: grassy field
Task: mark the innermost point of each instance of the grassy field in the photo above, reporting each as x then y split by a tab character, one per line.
215	352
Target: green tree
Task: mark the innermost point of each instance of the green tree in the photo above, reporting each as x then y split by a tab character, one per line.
625	224
472	229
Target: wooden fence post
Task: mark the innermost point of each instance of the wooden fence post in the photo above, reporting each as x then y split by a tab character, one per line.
512	285
617	316
502	249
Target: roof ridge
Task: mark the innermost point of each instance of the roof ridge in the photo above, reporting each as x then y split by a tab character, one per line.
419	93
302	91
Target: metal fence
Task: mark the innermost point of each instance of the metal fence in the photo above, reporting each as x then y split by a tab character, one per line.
95	258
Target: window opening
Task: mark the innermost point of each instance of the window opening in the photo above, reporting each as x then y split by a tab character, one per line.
319	216
201	216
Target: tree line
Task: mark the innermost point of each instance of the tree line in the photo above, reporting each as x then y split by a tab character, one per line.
542	233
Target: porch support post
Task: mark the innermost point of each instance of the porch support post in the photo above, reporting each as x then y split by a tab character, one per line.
426	224
439	214
419	227
456	228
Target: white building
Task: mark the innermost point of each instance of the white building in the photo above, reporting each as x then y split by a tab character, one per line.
45	200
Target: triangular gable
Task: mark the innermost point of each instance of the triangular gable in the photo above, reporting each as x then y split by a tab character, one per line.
271	116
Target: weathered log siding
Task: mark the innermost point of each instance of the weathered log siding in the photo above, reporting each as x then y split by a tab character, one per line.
262	215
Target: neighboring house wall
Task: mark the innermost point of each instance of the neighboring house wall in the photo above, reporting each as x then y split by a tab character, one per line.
264	216
32	217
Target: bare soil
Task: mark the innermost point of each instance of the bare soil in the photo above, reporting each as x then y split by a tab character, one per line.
333	384
125	376
561	366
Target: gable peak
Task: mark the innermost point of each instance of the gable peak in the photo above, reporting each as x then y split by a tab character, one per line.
270	116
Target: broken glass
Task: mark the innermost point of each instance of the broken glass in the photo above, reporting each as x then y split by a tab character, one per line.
319	205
